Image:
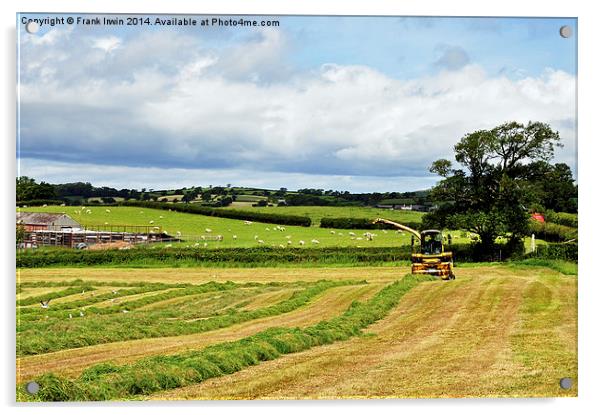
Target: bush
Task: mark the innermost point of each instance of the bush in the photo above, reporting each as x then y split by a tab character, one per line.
566	251
561	218
361	223
225	213
41	202
552	232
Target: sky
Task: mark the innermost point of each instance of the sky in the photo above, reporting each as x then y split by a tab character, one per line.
346	103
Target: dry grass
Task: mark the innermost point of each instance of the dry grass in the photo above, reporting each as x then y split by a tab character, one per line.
72	361
201	275
490	333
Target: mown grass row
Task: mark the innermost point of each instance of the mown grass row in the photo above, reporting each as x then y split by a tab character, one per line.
169	292
112	382
53	295
53	335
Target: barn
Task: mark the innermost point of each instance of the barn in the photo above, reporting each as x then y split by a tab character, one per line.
41	221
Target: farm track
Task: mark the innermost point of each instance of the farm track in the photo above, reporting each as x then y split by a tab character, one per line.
477	336
72	361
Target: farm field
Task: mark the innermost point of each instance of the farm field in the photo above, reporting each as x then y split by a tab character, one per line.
497	330
193	226
318	212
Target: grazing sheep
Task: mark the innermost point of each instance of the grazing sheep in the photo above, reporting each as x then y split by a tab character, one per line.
256	237
45	304
44	205
301	243
359	239
81	313
247	222
260	241
197	244
151	221
70	315
88	211
161	217
352	233
205	245
289	242
332	232
288	237
106	223
385	231
108	210
267	229
168	246
281	246
315	241
178	233
208	230
115	292
124	311
234	237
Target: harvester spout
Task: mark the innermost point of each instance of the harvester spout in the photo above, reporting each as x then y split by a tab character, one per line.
399	226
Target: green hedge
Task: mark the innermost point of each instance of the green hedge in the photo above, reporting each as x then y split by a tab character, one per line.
553	232
562	218
566	251
40	202
361	223
224	213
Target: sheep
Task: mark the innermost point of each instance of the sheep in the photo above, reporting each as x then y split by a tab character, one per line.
205	245
256	237
332	232
340	234
88	211
315	241
196	244
208	230
301	243
115	292
106	223
151	221
352	233
45	304
234	237
108	210
288	237
289	242
267	229
44	205
178	233
168	246
70	315
124	311
281	246
260	241
247	222
161	217
81	313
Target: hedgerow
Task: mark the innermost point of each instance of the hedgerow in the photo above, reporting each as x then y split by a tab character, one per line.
362	223
111	382
225	213
553	232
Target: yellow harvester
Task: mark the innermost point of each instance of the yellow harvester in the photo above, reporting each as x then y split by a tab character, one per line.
432	258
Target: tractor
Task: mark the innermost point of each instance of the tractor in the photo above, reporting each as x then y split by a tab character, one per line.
431	258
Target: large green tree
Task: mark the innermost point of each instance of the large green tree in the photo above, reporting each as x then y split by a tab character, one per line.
491	191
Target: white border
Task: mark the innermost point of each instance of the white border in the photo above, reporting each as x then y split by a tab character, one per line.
590	290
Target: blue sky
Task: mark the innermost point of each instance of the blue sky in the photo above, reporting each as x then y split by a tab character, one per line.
350	103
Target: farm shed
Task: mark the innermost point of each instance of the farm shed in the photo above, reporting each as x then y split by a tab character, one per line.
35	221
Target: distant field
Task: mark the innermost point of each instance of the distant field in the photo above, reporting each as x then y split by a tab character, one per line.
318	212
193	226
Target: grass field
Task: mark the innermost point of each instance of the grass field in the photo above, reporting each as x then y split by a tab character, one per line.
275	333
318	212
192	227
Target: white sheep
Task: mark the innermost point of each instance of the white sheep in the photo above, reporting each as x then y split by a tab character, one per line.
234	237
151	221
315	241
256	237
332	232
208	230
301	243
288	237
289	242
247	222
205	245
352	233
281	246
267	229
260	241
108	210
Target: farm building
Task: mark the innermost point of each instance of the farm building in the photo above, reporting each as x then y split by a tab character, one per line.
38	221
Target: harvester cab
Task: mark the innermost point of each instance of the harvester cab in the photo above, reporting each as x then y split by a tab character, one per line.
431	258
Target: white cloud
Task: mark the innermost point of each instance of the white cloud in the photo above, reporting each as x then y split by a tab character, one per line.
174	102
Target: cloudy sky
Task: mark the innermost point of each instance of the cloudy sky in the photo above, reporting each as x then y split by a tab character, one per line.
348	103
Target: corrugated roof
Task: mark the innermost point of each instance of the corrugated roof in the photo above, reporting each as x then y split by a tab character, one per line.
39	218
